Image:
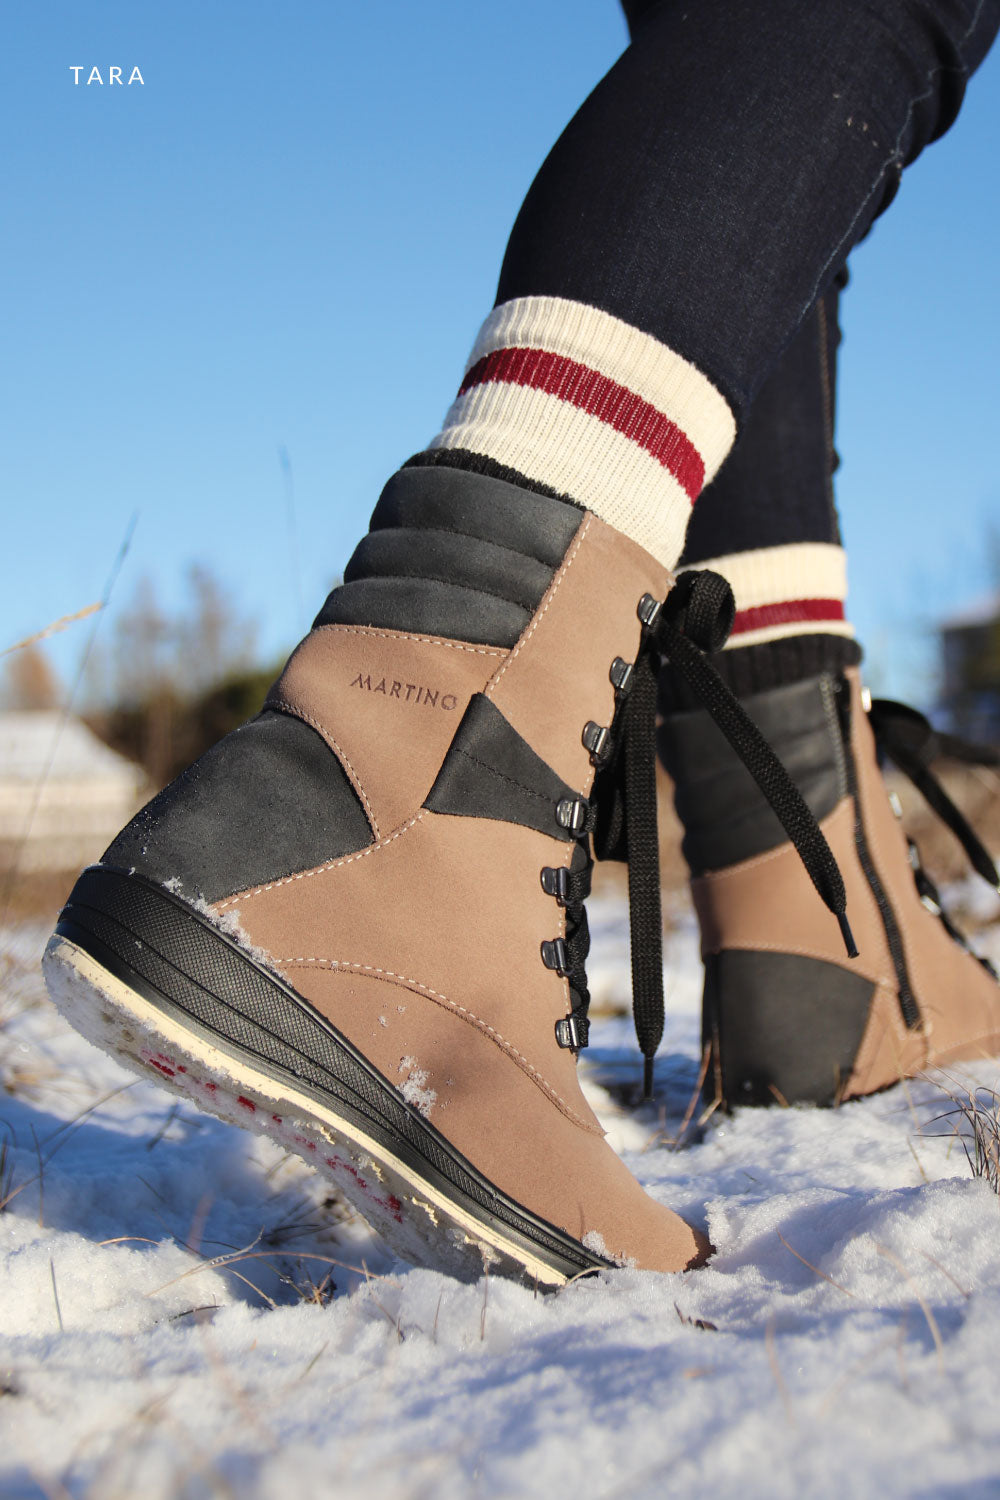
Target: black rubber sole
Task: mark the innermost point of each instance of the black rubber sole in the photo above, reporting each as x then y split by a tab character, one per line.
148	978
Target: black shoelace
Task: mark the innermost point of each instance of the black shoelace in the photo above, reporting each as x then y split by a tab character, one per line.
695	619
912	743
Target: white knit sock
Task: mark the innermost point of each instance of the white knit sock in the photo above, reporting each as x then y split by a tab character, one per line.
786	591
595	411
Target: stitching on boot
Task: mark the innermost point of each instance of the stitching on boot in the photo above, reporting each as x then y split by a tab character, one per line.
321	869
402	635
352	775
466	1015
499	775
987	1038
553	588
732	872
821	955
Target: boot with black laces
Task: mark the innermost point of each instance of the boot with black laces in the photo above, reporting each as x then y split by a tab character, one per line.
785	1018
357	925
358	922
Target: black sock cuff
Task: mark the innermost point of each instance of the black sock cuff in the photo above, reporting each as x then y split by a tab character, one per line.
747	670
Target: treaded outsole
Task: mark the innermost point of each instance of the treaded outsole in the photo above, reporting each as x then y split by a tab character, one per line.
146	978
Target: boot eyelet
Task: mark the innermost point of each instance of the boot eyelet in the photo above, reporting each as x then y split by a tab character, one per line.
573	813
572	1032
621	675
554	956
648	608
555	882
596	738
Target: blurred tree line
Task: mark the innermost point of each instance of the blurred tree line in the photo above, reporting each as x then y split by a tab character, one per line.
168	685
163	684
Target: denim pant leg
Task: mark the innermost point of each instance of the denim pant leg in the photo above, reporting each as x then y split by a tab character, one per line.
776	486
713	183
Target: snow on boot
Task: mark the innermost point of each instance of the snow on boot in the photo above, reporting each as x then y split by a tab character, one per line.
786	1017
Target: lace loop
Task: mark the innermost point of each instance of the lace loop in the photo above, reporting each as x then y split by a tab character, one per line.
702	607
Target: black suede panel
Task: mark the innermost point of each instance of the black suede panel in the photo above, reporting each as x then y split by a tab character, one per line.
484	506
426	607
787	1028
491	772
444	557
725	816
454	553
268	800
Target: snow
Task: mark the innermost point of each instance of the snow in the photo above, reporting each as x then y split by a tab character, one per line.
184	1313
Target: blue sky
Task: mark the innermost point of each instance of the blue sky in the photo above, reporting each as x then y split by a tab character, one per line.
287	237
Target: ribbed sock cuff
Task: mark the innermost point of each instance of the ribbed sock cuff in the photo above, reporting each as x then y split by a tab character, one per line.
789	621
590	409
794	590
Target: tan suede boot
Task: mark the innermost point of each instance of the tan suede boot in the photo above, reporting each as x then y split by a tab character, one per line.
357	926
786	1017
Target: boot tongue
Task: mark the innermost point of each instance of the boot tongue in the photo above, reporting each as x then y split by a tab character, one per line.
454	553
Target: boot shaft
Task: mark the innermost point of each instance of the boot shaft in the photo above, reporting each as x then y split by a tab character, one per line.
786	1017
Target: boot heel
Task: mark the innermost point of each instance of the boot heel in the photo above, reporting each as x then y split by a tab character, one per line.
783	1028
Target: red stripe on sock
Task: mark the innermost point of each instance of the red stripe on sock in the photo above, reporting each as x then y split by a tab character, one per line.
605	399
787	612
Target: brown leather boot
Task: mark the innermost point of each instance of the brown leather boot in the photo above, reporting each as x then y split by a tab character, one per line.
787	1017
357	924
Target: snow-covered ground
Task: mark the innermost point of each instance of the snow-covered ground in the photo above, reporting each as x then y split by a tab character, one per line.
184	1313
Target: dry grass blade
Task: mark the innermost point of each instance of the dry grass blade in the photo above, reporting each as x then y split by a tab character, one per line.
8	1193
779	1379
924	1305
486	1293
235	1257
815	1269
979	1111
946	1273
6	1167
55	1294
673	1142
916	1158
55	628
14	867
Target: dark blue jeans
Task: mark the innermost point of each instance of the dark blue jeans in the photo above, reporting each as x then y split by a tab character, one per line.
710	188
776	486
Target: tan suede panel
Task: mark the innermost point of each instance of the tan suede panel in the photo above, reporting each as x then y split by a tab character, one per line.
451	905
464	1083
769	903
387	704
959	1001
556	677
889	1050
